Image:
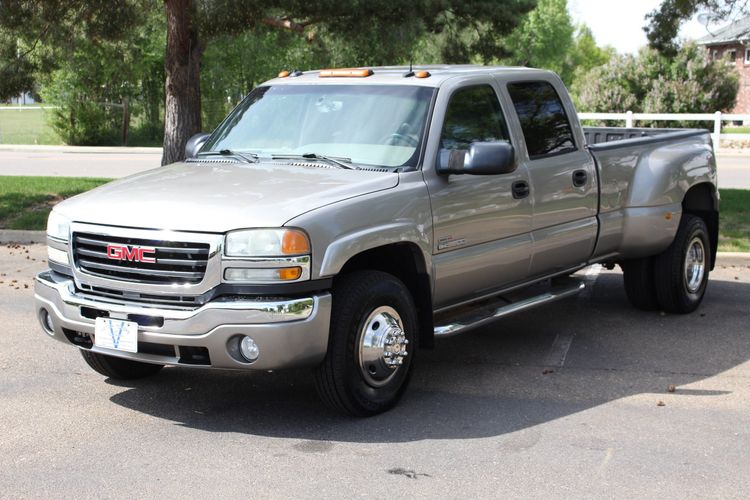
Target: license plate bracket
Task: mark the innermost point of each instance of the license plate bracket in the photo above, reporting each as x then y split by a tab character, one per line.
116	334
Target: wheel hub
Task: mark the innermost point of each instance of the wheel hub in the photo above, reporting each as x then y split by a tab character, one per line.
695	265
382	346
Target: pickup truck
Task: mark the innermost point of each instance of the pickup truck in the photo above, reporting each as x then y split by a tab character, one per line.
344	220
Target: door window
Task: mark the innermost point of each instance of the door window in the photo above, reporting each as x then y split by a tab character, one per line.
545	125
473	115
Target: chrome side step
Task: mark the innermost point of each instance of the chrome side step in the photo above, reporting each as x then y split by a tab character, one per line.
482	314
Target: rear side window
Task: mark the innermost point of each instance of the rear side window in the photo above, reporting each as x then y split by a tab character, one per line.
473	115
545	126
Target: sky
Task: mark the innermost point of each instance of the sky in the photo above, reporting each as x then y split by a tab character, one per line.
620	24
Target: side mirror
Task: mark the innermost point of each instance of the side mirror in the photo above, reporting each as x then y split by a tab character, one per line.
482	158
194	144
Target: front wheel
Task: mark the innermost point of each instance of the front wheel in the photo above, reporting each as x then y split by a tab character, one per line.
681	271
372	344
119	368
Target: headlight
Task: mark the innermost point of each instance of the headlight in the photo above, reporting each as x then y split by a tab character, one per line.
58	227
266	243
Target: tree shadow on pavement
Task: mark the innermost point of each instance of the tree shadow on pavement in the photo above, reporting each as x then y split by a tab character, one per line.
497	380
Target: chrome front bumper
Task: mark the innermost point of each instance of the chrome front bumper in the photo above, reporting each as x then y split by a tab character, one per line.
289	332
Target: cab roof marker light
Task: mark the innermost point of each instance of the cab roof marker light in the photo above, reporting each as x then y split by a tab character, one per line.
284	74
346	73
422	74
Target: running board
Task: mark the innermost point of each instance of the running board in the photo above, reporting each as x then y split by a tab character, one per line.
500	307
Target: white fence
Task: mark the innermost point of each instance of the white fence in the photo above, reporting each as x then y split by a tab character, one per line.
717	118
629	118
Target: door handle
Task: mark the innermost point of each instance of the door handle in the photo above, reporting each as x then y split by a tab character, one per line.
520	189
579	178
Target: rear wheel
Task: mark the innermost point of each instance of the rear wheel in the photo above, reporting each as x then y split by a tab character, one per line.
681	271
638	275
372	344
119	368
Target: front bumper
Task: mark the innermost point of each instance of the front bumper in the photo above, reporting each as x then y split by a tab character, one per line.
289	332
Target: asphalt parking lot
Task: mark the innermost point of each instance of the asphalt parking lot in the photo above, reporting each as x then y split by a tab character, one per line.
570	400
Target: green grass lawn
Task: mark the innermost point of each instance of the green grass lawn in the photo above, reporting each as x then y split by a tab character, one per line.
734	221
736	130
25	202
26	126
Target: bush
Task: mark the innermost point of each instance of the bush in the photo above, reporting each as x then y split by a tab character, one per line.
653	83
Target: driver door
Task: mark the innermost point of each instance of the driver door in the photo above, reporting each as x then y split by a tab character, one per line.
481	223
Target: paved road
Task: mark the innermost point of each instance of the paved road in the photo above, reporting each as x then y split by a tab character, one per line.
734	169
480	420
77	162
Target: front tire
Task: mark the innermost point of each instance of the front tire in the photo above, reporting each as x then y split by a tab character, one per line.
119	368
372	344
681	271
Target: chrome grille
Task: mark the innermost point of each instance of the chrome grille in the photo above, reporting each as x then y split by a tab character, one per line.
176	261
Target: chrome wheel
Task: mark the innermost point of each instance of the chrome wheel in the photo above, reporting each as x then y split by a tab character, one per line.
695	265
382	346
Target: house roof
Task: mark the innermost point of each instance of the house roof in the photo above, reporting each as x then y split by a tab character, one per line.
738	31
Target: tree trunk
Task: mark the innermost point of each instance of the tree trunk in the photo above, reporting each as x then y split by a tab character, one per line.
125	120
182	109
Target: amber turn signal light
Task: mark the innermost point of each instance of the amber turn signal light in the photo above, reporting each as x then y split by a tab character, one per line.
290	273
295	243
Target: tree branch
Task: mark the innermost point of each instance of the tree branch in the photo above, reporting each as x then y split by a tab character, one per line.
288	24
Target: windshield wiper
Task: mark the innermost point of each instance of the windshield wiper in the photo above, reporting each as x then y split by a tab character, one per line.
246	157
338	161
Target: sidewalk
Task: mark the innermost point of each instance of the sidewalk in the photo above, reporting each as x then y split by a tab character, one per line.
36	148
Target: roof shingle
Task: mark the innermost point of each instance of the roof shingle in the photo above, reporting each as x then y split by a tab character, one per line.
738	31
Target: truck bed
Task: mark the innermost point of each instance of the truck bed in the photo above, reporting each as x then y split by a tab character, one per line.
635	194
598	137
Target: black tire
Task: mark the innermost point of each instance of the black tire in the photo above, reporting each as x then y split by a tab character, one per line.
341	379
676	292
638	276
119	368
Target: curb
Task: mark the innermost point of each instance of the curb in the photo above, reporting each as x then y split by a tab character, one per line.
16	236
733	259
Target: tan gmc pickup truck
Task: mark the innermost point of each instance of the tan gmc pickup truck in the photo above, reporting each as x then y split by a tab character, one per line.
345	219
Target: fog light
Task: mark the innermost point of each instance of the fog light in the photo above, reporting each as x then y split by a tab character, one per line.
47	324
249	349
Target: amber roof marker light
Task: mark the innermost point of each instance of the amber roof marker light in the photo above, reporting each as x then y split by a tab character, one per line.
345	73
283	74
421	74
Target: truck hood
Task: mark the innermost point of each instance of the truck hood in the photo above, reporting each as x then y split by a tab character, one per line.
219	197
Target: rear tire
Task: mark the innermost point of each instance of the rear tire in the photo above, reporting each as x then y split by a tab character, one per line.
681	271
119	368
638	276
373	327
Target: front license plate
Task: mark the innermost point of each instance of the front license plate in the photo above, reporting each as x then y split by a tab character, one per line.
116	334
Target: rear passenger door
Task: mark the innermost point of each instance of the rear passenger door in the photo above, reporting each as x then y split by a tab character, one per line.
562	173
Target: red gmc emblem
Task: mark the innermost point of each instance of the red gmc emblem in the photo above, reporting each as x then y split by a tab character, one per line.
131	253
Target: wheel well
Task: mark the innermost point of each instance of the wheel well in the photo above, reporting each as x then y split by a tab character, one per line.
702	200
405	261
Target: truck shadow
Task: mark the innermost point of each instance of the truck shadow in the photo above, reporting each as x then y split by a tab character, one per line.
495	381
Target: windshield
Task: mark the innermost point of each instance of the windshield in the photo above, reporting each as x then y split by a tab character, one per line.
379	125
